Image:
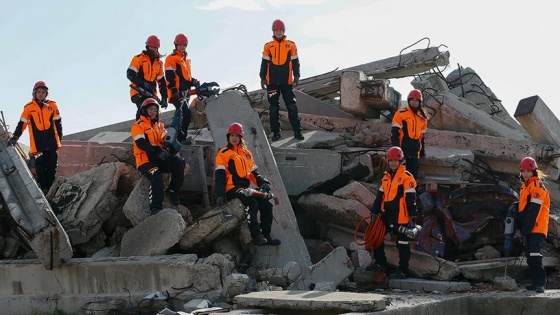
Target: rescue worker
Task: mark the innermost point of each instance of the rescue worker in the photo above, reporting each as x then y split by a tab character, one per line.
396	203
279	62
533	216
45	131
180	81
146	72
236	170
148	134
408	131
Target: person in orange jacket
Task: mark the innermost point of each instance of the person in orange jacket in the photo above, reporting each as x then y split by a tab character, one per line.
148	134
408	131
45	131
396	203
279	61
236	170
145	72
180	81
533	216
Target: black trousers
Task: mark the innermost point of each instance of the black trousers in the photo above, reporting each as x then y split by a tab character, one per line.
153	171
273	92
45	167
186	120
255	205
403	245
534	258
412	163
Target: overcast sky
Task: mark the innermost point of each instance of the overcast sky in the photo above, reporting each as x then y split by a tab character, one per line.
83	48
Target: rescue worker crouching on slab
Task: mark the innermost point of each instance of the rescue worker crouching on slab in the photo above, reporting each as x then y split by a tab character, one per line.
279	61
45	131
145	72
396	203
533	216
148	134
180	81
408	131
235	171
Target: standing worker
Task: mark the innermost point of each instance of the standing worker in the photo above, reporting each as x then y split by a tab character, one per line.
180	81
152	159
235	171
279	61
45	131
145	73
396	203
533	217
408	131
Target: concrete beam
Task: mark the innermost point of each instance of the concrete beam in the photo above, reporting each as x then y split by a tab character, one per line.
539	121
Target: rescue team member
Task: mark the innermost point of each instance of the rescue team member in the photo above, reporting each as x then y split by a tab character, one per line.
45	131
279	61
396	202
235	171
408	131
146	72
180	81
534	208
152	160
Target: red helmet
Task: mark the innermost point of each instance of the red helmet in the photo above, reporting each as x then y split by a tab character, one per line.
152	41
528	164
395	153
235	128
181	39
148	102
39	84
278	25
415	94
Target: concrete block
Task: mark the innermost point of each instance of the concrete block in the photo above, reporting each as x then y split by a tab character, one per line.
235	284
335	267
429	285
539	121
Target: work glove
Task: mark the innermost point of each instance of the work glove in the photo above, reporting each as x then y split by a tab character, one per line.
194	82
296	80
263	84
149	87
265	187
164	103
13	140
220	201
162	154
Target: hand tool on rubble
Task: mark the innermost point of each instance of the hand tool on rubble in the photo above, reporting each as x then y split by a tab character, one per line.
509	231
143	92
257	193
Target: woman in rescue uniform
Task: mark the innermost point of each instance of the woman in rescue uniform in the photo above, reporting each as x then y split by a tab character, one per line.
533	216
396	203
148	134
180	81
408	129
45	131
146	72
236	170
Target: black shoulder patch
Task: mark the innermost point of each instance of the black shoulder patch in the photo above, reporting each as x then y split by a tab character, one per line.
224	150
402	110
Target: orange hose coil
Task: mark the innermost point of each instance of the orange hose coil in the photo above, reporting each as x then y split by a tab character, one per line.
374	234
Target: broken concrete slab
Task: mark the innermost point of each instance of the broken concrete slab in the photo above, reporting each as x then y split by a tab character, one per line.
364	97
539	121
356	191
488	270
330	209
429	285
445	164
313	301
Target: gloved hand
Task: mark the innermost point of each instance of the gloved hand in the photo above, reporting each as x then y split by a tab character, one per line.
149	87
373	217
161	153
265	187
194	82
164	103
296	80
13	140
263	84
220	201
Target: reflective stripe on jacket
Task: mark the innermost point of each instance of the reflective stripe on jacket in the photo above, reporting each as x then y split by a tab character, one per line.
412	128
238	165
41	121
394	189
180	65
533	191
280	61
154	133
151	72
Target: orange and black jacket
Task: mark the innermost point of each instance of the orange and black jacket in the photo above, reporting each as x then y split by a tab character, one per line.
148	139
144	69
279	61
396	198
235	169
45	125
178	72
408	130
534	207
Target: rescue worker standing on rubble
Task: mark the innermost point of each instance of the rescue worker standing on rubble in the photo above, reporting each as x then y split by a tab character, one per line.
45	131
236	170
279	62
145	72
180	81
408	131
148	134
533	215
396	203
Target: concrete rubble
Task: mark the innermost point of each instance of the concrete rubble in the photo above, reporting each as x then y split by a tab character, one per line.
103	247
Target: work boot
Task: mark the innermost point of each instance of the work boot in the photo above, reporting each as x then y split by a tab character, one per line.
375	267
399	274
534	287
173	197
272	241
259	240
154	209
298	135
276	136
